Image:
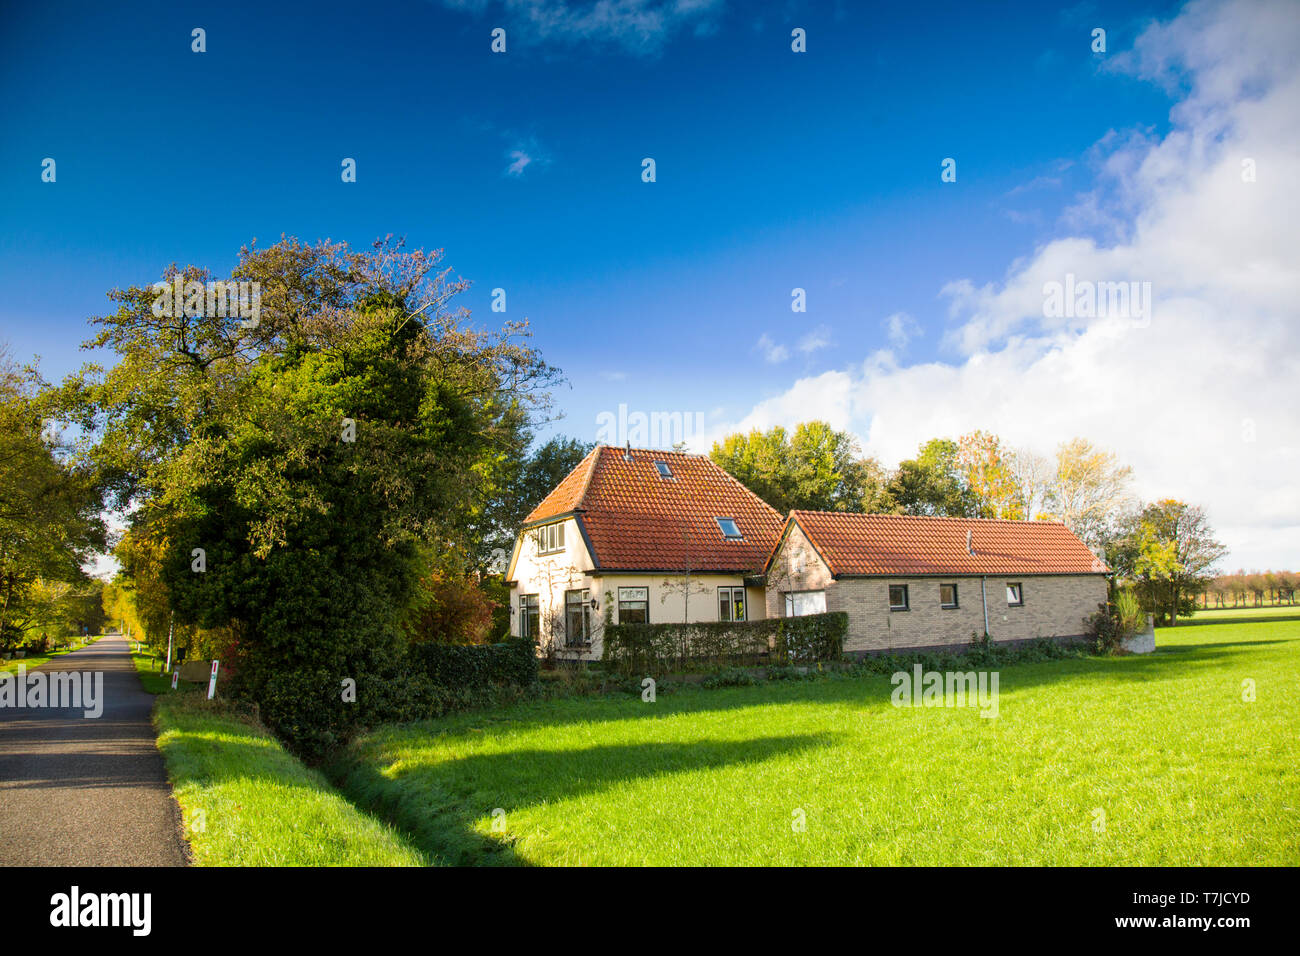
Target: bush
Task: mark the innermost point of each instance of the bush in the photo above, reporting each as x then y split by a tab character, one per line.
452	609
1112	624
730	677
659	648
512	662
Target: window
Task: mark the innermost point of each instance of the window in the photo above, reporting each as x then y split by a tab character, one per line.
947	595
550	538
800	603
664	470
898	597
731	604
728	526
577	618
529	617
634	605
1015	595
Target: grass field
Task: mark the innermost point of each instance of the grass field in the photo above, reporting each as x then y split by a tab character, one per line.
36	660
248	802
1134	760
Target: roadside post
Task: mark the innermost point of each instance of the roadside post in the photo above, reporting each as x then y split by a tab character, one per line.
212	681
176	675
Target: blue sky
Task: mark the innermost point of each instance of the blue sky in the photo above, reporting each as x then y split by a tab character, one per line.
775	170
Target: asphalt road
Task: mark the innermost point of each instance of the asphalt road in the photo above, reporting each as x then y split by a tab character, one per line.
80	791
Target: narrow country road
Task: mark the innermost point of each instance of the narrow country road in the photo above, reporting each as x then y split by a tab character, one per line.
80	791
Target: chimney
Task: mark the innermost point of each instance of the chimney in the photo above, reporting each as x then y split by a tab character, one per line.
627	452
969	548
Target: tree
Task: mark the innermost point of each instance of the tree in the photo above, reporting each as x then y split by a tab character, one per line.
288	472
988	476
1170	554
50	524
933	484
1032	475
1090	491
815	469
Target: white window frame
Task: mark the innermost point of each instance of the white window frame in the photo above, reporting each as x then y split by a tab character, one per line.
731	591
550	538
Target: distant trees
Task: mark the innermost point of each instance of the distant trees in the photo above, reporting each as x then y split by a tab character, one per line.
974	476
1253	588
816	468
1089	493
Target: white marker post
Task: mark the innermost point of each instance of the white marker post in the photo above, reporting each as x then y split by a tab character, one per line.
176	674
212	681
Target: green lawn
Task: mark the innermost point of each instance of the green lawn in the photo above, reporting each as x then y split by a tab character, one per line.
36	660
1184	771
248	802
146	665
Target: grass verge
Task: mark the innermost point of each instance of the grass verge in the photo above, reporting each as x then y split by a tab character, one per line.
247	801
1158	759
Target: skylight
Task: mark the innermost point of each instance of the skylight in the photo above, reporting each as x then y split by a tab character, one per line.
664	470
728	526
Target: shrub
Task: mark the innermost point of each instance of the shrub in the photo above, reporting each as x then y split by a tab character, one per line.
512	662
730	677
450	609
659	648
1112	624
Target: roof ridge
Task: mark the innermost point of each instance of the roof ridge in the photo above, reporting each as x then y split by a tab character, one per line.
581	498
881	514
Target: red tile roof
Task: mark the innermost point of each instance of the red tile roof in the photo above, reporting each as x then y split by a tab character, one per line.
636	520
903	544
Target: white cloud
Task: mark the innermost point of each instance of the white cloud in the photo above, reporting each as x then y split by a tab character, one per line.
640	27
818	338
1180	398
900	329
772	353
524	153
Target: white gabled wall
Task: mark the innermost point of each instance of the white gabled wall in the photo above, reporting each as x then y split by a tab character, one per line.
550	575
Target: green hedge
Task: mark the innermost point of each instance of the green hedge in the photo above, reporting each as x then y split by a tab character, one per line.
462	666
659	648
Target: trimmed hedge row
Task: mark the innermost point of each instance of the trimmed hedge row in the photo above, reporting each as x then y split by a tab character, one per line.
467	666
659	648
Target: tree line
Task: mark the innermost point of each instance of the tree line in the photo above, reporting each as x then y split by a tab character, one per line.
1164	551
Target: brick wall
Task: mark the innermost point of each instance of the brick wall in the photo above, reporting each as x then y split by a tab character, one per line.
1054	606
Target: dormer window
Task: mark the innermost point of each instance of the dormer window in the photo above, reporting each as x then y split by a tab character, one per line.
664	470
550	538
729	529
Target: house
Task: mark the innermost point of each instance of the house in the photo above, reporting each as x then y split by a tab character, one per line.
915	582
633	535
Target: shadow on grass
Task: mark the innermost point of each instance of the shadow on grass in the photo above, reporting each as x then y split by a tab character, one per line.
437	804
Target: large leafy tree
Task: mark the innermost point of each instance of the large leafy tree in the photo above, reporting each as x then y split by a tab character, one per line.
934	484
291	474
816	468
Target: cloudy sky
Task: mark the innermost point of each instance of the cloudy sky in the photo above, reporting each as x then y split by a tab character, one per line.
1167	159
